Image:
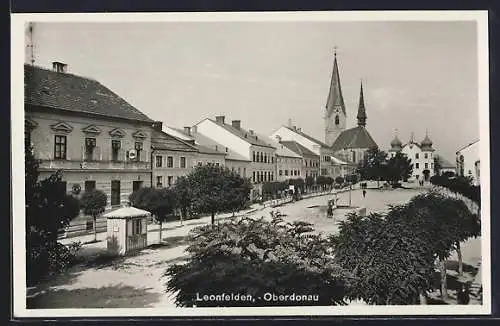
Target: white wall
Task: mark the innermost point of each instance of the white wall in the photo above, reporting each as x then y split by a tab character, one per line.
419	163
224	137
288	135
471	156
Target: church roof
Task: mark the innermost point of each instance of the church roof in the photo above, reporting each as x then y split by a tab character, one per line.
361	108
357	137
335	98
72	93
396	142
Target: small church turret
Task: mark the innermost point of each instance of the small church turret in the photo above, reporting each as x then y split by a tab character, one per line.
361	108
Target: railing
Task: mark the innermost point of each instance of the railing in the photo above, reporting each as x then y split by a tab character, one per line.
136	242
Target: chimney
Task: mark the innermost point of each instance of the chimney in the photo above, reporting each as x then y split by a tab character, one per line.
59	66
289	122
278	138
220	119
295	128
194	130
236	124
187	131
251	131
158	125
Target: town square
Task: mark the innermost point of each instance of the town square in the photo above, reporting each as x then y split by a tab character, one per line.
252	164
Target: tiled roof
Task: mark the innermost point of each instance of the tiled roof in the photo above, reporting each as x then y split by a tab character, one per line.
64	91
445	163
162	140
299	149
243	134
357	137
210	146
314	140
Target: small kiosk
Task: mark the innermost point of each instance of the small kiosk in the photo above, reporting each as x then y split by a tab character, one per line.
127	230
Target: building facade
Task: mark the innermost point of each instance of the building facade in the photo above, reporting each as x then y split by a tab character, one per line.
244	143
77	125
421	156
171	158
468	162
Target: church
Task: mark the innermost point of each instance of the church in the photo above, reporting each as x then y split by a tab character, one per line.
349	144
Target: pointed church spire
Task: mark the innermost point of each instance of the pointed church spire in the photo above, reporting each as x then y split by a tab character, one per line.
335	99
361	108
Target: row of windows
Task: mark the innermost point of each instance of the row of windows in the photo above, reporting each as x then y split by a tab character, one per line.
170	161
244	175
61	146
288	160
311	164
262	176
159	181
292	172
425	155
262	157
426	166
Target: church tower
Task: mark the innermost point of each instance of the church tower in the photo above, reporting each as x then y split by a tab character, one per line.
335	115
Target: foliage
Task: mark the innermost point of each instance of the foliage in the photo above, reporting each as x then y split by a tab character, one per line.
437	165
372	167
351	178
309	181
339	180
184	196
458	184
74	247
255	257
298	183
273	189
216	189
160	202
94	202
48	209
398	168
390	265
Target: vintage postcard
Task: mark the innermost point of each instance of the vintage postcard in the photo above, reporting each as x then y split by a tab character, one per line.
249	164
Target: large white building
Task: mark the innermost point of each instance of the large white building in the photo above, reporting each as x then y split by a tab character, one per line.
421	156
468	162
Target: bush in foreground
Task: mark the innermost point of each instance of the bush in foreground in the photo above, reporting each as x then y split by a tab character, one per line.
255	257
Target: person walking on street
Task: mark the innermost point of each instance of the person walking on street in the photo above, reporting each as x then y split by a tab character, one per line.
364	193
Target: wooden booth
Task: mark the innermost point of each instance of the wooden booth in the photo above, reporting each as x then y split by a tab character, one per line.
127	230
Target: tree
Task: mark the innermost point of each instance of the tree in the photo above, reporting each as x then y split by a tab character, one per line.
371	167
339	180
215	189
93	203
309	182
390	266
254	257
184	196
398	168
437	165
426	174
161	202
48	209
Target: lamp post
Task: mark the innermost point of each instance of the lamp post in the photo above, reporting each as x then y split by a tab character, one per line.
350	191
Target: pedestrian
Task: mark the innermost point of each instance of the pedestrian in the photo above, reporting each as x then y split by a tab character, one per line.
463	296
364	193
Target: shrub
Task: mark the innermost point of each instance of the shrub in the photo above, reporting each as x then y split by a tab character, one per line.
255	257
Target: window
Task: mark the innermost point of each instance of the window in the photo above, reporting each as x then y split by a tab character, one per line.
306	163
159	181
272	159
337	120
416	155
253	176
170	162
280	173
426	165
138	147
136	185
299	172
115	149
425	155
432	165
261	157
200	163
136	226
217	164
183	162
286	172
354	157
253	154
90	144
244	172
416	165
239	171
159	161
115	192
170	180
89	185
60	147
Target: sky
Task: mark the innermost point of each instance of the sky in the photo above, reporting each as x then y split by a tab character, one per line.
417	76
